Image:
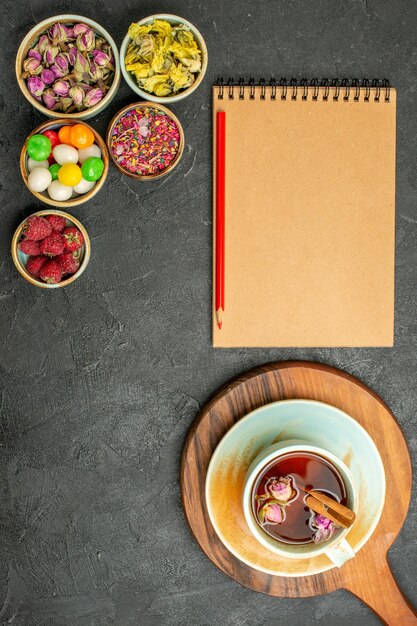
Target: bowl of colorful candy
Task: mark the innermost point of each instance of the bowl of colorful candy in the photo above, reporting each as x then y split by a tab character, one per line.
145	140
68	66
64	163
163	58
51	249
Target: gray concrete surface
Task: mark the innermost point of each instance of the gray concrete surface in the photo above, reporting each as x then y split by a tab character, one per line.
100	381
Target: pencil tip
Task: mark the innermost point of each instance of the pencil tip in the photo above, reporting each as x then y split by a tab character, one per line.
219	324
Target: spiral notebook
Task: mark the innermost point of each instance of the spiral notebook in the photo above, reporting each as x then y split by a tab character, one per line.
310	213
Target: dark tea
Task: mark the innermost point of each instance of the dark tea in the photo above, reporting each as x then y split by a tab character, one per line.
278	497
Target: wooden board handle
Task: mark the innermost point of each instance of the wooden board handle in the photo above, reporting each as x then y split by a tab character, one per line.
379	590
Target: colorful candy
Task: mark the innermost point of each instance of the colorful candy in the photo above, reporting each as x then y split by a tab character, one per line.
84	186
64	134
32	164
81	136
59	192
39	147
69	174
39	179
53	137
65	154
54	169
145	140
92	168
91	151
68	170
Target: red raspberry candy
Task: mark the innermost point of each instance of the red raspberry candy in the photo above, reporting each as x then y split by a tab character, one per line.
28	246
73	238
57	222
36	228
51	272
68	262
53	245
35	264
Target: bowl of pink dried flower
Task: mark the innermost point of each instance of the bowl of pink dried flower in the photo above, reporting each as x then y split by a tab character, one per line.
68	66
51	249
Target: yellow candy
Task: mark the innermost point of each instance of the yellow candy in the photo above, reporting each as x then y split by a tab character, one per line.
69	174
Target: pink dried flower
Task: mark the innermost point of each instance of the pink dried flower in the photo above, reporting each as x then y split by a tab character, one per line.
61	87
324	528
58	33
49	98
101	58
92	97
47	76
35	86
281	489
72	55
271	514
86	41
31	65
43	44
35	54
77	95
50	53
79	29
81	65
62	62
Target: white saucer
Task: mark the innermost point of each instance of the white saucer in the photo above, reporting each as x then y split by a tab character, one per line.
318	423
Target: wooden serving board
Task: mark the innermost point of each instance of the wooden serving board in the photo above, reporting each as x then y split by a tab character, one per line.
368	575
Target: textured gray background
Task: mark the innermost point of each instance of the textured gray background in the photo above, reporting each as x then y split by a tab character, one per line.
100	381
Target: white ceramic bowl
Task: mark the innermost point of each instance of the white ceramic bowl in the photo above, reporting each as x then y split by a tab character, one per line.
29	41
145	95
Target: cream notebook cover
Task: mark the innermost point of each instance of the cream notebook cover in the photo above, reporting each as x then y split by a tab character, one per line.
310	215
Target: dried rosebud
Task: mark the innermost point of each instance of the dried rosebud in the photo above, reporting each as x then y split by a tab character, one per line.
324	528
58	33
65	103
50	54
35	54
86	41
35	85
100	58
72	55
92	97
62	62
56	71
43	43
77	95
47	76
70	32
79	29
61	87
281	489
95	72
271	514
81	65
49	98
31	65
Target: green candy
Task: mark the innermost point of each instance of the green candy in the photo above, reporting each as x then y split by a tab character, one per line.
54	169
39	147
92	168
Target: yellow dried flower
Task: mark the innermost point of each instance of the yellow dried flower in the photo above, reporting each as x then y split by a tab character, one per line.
163	58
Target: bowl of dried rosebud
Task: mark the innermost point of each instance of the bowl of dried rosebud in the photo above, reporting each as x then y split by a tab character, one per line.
51	249
68	66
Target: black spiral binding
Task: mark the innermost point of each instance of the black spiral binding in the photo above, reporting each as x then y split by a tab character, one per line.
305	89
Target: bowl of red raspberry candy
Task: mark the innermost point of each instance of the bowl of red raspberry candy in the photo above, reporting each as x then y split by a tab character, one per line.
51	249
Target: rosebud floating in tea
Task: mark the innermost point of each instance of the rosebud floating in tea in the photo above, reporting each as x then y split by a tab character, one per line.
69	69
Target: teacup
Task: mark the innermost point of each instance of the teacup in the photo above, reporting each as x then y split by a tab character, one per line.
337	548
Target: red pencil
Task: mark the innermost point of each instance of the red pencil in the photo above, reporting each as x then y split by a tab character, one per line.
220	212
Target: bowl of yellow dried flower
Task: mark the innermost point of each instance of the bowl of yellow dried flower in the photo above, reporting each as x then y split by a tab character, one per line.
163	58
